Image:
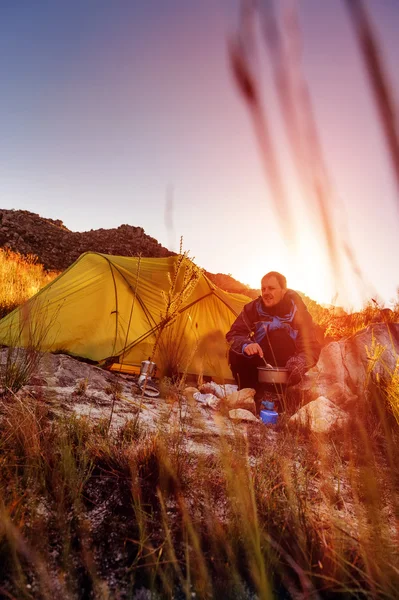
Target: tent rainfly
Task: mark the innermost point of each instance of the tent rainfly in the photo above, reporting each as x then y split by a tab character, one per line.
110	309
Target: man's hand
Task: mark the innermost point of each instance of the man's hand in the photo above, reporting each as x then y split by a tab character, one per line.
252	349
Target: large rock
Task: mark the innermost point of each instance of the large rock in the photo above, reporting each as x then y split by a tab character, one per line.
68	386
221	391
240	414
189	392
208	400
242	399
320	416
346	368
231	397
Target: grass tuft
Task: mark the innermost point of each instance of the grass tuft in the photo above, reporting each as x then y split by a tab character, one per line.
21	277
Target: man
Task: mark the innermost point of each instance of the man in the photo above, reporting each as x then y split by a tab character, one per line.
276	328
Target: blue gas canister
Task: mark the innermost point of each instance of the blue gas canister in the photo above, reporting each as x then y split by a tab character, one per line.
268	415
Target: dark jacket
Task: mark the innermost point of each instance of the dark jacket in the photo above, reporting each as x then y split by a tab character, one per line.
287	328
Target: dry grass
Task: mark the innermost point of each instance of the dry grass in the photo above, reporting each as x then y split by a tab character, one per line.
260	514
86	513
20	278
337	327
169	343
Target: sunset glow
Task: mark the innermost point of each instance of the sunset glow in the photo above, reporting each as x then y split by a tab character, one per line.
119	104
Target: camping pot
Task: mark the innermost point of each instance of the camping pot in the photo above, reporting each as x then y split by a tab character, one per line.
274	375
148	368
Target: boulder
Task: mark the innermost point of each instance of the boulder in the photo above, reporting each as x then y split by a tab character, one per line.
240	414
208	399
384	314
346	368
340	395
189	392
221	391
242	399
320	416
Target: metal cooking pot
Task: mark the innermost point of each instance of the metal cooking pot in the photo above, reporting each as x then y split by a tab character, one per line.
272	375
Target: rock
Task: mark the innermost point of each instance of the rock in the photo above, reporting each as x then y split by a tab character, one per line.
320	416
340	395
189	392
208	399
108	397
242	399
346	368
384	315
214	403
246	394
240	414
221	391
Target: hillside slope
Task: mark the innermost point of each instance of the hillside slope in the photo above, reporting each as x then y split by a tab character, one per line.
56	247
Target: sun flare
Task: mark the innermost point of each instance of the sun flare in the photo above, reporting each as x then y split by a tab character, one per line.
306	268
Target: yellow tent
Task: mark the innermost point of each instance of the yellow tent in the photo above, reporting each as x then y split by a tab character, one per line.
110	309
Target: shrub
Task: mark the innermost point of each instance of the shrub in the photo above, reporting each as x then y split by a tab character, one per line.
20	278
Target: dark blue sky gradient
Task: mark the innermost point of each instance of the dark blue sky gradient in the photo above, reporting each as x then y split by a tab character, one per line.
104	104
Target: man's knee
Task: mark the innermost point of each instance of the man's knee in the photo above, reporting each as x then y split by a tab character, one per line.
244	369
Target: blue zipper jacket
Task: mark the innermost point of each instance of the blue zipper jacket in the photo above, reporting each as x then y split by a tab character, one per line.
287	327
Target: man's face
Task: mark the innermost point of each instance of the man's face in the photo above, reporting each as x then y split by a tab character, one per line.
272	292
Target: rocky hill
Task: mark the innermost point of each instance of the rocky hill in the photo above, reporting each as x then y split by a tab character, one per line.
229	284
57	247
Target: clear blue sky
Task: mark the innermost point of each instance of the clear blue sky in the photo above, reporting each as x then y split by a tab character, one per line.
104	105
